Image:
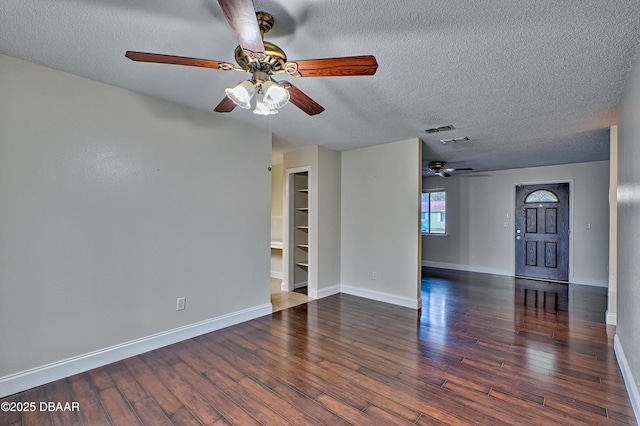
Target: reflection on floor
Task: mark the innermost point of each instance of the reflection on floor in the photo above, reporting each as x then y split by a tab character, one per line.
285	299
581	301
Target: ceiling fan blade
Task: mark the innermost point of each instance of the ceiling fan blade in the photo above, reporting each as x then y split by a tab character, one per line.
242	17
178	60
443	174
301	100
333	67
462	169
225	105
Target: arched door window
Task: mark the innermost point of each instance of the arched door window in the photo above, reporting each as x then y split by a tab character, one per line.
542	196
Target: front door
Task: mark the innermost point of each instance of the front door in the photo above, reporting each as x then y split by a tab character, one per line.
542	231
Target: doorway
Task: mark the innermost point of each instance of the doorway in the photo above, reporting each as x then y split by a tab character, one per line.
542	231
281	297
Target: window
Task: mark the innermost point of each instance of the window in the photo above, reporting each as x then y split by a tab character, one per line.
541	196
434	212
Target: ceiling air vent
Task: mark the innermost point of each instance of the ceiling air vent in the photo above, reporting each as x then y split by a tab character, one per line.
462	139
440	129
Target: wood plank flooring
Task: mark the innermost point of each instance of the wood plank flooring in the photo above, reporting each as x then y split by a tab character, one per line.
285	299
477	353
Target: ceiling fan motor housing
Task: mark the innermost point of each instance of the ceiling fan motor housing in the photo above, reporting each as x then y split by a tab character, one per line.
265	22
272	62
274	58
436	165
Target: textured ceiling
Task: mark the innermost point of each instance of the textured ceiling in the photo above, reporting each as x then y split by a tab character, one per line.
529	82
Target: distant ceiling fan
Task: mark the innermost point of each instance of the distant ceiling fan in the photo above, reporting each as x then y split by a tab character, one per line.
263	59
438	168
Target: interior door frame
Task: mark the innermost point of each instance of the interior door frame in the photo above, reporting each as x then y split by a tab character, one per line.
572	213
287	230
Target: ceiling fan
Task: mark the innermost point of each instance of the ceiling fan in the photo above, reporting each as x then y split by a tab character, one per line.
438	168
262	60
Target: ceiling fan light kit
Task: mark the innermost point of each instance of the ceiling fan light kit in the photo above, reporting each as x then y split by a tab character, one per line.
275	96
270	96
262	108
241	94
262	60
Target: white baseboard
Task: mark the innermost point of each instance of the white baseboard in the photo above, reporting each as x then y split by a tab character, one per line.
324	292
611	318
485	270
589	281
407	302
629	381
277	274
466	268
28	379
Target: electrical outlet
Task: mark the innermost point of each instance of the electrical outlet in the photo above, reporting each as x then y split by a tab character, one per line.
374	275
180	304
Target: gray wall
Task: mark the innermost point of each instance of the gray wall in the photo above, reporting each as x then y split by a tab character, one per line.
480	222
628	329
381	222
112	205
329	221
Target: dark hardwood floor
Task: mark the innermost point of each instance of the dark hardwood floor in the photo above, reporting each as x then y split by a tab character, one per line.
484	350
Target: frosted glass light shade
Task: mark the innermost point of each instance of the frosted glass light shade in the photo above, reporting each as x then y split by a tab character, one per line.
275	96
241	94
262	108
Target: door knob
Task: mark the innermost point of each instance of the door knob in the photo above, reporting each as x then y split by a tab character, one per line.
518	237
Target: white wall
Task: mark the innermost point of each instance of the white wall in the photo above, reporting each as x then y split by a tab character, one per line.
380	222
628	280
479	205
612	300
277	200
329	221
112	205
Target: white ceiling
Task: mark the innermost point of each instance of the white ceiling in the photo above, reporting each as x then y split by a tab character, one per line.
529	82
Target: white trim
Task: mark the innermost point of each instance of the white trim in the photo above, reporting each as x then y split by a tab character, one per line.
277	274
28	379
611	318
589	282
484	270
287	227
324	292
298	169
629	381
466	268
407	302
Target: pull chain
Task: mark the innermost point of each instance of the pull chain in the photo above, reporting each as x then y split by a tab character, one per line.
270	144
